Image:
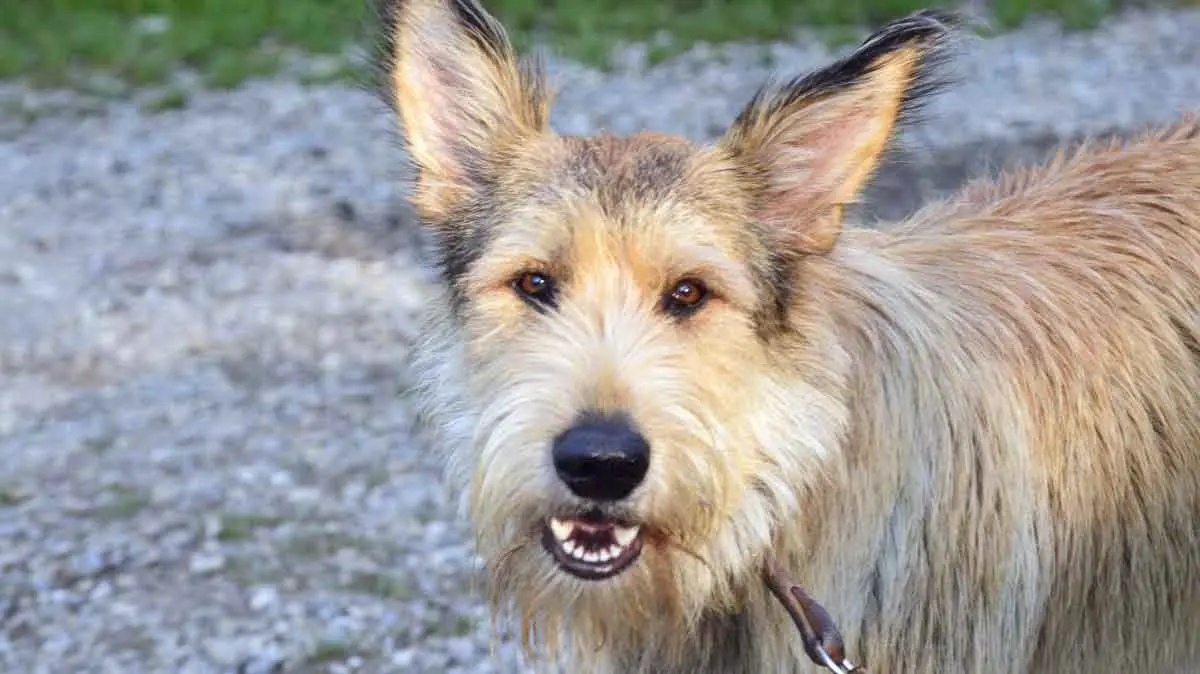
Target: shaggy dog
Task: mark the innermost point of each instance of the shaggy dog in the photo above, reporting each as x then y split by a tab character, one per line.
974	435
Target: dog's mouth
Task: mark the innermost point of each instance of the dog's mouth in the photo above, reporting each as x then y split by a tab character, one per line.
592	547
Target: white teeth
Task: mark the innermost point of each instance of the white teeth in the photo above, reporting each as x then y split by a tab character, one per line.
562	530
625	535
565	531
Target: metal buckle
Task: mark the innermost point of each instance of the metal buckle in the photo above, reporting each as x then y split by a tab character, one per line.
846	667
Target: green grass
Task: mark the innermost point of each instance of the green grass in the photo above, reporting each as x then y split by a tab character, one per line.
588	28
143	41
330	651
380	584
241	527
124	503
12	496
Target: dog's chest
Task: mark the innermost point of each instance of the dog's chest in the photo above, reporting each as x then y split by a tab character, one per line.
727	644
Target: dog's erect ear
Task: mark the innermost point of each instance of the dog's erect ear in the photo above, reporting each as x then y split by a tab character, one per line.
462	95
811	144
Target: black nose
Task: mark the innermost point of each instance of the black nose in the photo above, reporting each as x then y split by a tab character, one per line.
603	459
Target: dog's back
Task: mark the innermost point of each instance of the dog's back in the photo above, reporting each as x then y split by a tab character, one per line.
1064	323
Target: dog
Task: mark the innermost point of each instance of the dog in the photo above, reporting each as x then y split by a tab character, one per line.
973	434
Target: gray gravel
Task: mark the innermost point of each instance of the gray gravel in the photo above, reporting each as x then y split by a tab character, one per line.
206	463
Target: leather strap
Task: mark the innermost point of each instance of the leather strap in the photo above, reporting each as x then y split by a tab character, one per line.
822	641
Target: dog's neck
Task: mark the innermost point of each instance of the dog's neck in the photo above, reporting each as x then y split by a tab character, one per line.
910	386
876	498
722	643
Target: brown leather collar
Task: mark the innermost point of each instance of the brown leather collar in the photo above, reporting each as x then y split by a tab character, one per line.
822	641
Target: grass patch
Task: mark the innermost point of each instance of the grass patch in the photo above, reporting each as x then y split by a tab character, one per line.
331	651
383	585
445	625
12	496
319	545
98	444
587	29
144	41
174	98
125	503
242	527
463	626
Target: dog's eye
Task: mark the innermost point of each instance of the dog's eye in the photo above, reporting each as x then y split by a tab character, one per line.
535	287
686	297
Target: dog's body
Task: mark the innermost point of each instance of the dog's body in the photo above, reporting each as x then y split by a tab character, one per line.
974	436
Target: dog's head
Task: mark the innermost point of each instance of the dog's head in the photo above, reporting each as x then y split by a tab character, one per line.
619	361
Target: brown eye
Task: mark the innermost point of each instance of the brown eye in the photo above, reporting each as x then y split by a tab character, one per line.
534	287
686	297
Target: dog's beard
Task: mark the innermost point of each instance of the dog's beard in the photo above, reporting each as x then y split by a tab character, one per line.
697	520
653	607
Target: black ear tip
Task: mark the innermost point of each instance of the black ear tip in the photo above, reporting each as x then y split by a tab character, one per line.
928	26
479	22
943	23
940	20
944	17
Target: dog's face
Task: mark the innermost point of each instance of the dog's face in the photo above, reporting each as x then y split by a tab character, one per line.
619	362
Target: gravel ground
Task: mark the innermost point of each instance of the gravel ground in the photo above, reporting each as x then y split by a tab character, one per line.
207	463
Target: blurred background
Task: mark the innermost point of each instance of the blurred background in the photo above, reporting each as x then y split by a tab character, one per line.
209	277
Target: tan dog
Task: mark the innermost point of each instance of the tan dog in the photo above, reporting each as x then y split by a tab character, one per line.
974	436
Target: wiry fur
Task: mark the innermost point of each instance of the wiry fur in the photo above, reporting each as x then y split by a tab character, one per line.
974	436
